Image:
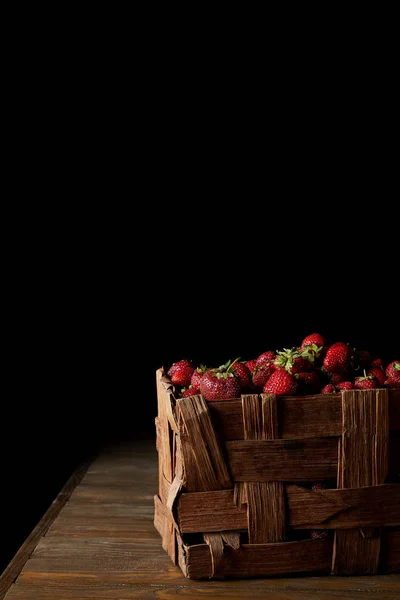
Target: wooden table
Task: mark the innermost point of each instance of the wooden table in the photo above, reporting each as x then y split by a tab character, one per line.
97	540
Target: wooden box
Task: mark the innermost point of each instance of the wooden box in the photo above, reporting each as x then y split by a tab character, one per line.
235	496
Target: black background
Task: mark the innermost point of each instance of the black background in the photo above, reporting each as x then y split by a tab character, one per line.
102	299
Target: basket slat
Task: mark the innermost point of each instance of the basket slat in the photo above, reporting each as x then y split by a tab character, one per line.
363	462
283	460
265	499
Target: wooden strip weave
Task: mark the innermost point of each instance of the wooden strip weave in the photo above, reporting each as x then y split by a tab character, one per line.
242	485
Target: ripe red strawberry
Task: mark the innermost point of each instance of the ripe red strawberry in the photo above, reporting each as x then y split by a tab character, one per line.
378	373
345	385
190	391
336	378
265	357
392	383
378	362
197	375
367	382
328	389
263	369
250	364
338	358
314	338
220	383
181	373
281	383
244	375
393	369
262	373
293	361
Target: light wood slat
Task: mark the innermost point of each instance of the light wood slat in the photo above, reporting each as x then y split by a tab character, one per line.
363	462
204	463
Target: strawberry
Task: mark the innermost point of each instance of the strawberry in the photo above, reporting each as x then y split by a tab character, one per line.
345	385
190	391
263	369
262	373
338	358
197	375
244	375
393	370
220	384
181	372
281	383
293	361
314	338
378	362
367	382
328	389
265	357
392	383
378	373
336	378
250	364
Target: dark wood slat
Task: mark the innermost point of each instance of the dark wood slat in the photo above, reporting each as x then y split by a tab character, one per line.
210	511
363	462
372	506
258	560
299	416
283	460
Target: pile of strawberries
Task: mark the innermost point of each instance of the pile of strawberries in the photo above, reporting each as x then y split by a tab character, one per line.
314	367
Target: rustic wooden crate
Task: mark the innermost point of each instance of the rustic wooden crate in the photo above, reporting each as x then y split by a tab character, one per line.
233	477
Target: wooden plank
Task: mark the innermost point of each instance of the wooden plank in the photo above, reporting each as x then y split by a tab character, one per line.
163	429
326	509
372	506
265	499
210	511
363	462
204	463
14	568
283	460
299	416
200	591
90	562
263	560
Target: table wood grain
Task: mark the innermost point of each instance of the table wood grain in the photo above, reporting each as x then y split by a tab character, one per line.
98	541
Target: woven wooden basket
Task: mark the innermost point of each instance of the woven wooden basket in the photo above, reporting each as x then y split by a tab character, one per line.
234	483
